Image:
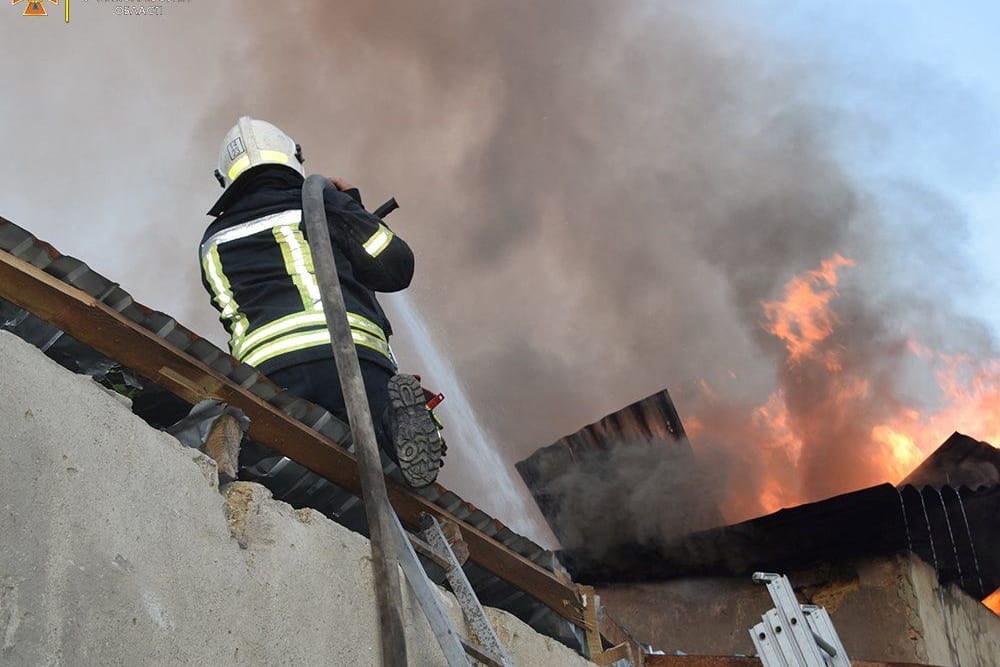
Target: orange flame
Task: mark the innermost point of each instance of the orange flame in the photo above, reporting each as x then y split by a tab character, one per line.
804	320
770	422
970	402
992	602
898	449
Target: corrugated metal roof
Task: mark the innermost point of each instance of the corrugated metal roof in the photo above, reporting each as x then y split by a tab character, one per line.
652	423
306	487
653	418
957	531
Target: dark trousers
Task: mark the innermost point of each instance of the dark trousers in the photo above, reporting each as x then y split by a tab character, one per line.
318	382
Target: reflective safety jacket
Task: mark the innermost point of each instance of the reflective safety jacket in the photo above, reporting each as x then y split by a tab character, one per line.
257	266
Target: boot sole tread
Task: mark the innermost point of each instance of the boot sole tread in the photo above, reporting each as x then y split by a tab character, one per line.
418	443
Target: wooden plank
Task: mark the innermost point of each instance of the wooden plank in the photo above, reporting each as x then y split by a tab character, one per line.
614	654
591	628
345	355
598	626
112	335
616	635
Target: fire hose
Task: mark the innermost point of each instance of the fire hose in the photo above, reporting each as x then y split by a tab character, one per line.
373	489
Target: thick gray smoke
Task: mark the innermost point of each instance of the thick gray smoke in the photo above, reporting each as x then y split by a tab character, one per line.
599	194
643	492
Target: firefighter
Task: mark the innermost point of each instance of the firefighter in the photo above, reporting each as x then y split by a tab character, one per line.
257	266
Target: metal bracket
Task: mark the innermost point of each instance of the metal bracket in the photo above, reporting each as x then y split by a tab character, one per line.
456	650
475	616
427	596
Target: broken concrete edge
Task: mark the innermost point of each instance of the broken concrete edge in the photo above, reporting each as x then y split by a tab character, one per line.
244	501
154	345
91	488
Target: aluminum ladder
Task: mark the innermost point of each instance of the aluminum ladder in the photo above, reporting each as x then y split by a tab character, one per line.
794	635
435	545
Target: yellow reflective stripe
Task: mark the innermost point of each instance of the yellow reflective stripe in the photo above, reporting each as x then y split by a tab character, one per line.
266	156
298	263
361	338
281	326
305	320
295	321
307	258
212	264
300	341
239	167
363	323
292	343
379	241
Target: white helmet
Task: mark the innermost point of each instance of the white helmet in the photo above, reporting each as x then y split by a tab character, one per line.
251	143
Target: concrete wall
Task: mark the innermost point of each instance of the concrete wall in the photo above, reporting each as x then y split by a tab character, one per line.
886	609
116	548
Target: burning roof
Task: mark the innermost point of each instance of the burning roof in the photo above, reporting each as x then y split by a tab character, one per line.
957	531
856	402
960	461
954	529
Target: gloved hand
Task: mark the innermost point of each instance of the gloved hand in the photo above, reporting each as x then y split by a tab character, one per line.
348	189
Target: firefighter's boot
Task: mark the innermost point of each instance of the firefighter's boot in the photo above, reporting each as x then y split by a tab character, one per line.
415	434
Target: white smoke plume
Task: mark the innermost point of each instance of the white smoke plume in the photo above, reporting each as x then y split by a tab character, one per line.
599	194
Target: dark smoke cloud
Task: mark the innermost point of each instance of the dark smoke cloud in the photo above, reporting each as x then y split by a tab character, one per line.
633	493
599	194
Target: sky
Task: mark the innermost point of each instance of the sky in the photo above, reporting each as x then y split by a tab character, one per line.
927	73
602	199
